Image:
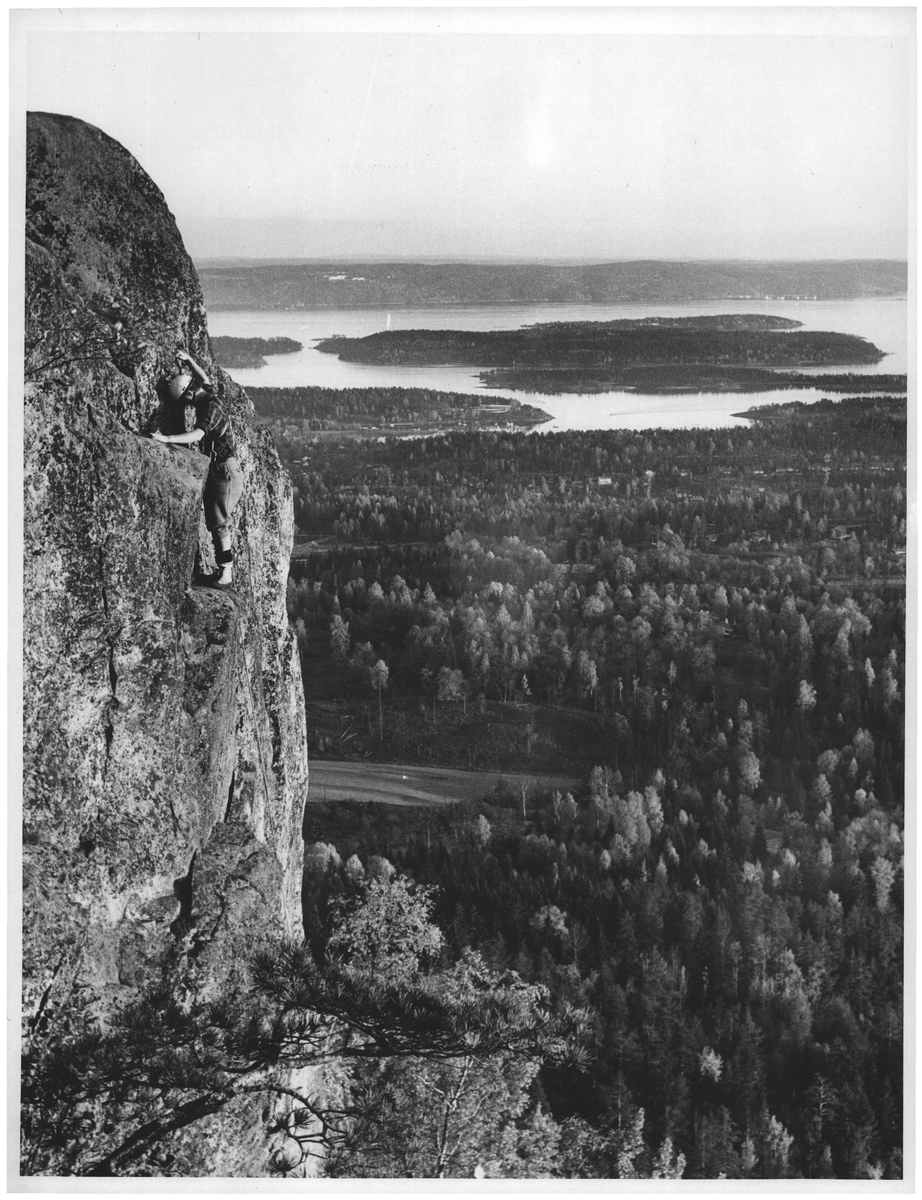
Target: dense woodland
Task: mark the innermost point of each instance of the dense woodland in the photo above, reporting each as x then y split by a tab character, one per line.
689	965
723	613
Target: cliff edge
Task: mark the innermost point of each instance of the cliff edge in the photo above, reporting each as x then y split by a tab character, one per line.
165	757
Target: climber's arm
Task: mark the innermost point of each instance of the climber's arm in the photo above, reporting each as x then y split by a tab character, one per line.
181	439
193	366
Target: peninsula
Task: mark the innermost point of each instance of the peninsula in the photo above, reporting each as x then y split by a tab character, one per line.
240	352
294	413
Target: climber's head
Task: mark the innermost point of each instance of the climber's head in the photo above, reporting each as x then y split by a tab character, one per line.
179	386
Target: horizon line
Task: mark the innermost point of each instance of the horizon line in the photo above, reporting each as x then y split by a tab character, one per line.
520	260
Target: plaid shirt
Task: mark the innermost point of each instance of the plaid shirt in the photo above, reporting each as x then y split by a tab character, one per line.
218	442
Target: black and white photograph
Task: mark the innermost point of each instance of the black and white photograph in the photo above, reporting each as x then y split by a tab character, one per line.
462	673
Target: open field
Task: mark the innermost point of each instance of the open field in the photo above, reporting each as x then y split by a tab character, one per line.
395	783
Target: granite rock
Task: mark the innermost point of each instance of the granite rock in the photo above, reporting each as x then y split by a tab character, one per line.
163	723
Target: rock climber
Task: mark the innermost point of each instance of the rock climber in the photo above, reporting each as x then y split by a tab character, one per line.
214	436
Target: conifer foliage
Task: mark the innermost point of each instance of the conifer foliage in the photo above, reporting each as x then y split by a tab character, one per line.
107	1102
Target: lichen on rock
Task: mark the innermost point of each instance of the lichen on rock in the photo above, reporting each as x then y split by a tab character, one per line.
163	724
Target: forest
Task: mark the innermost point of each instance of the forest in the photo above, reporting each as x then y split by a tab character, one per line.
708	627
689	965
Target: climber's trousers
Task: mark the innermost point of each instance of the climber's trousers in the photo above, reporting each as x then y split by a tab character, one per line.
223	489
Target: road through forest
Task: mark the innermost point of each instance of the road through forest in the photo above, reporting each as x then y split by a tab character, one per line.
394	783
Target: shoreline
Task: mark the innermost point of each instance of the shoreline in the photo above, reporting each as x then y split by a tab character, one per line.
501	303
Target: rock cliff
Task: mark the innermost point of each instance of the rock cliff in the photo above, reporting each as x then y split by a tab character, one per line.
165	761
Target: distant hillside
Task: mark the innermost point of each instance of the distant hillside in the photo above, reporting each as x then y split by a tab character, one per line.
274	285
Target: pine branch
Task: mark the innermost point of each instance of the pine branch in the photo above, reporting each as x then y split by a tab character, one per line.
149	1135
195	1059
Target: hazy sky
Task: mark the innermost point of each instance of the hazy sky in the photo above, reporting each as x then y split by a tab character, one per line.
594	133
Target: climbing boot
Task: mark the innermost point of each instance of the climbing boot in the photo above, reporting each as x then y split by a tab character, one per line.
221	578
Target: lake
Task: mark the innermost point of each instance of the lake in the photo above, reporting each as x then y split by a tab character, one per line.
881	321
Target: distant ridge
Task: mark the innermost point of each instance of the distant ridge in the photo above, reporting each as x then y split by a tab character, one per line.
352	283
512	260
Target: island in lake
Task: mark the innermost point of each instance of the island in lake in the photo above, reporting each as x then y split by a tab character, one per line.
730	352
237	352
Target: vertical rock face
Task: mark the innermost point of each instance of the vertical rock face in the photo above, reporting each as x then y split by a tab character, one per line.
165	762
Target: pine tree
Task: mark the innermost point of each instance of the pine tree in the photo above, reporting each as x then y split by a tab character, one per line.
102	1103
